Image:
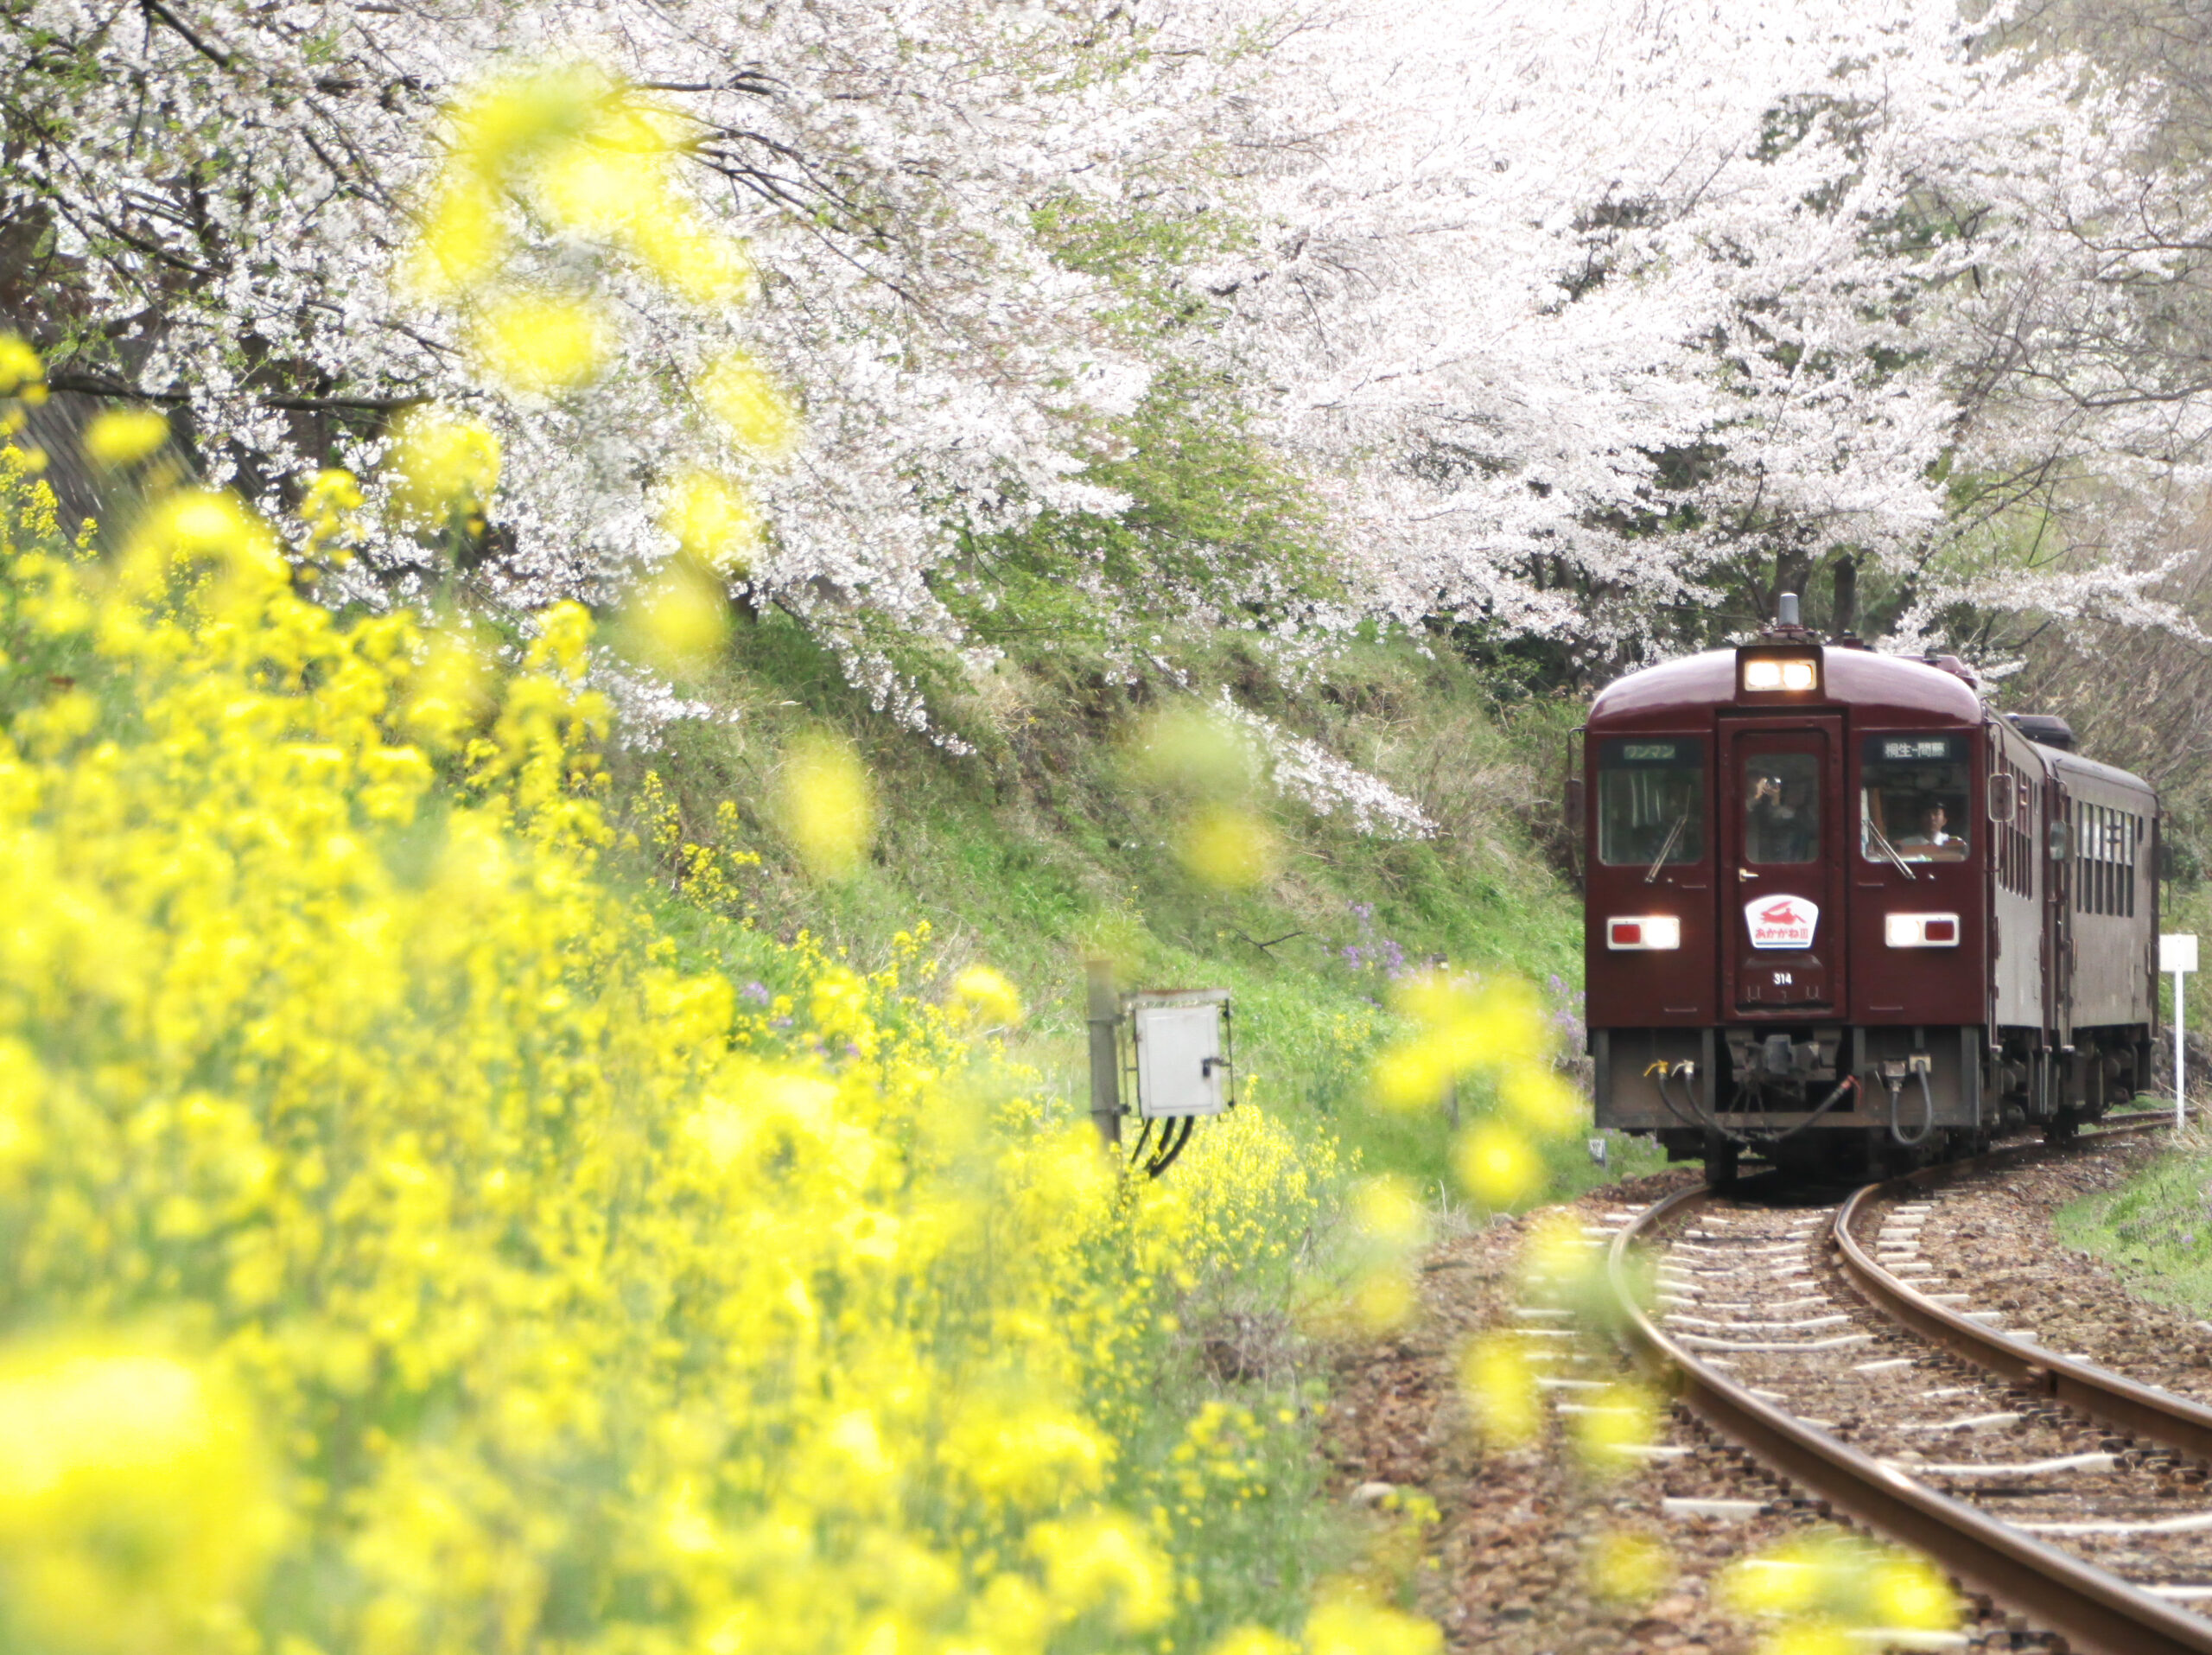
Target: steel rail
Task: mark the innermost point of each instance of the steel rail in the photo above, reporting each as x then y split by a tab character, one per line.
2141	1410
2092	1608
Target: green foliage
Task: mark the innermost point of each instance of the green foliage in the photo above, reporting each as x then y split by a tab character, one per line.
2155	1229
1216	523
1037	851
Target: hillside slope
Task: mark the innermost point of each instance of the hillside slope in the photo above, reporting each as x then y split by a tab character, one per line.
1050	840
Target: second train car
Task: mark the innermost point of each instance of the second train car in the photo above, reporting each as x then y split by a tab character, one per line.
1842	916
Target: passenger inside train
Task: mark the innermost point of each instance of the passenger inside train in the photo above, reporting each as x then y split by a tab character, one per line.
1781	808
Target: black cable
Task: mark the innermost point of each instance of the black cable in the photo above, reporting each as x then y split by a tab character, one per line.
1165	1157
1668	1098
1848	1083
1753	1140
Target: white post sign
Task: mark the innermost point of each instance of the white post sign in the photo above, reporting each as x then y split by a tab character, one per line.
2177	954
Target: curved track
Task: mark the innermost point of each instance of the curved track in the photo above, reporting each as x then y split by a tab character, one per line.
2092	1606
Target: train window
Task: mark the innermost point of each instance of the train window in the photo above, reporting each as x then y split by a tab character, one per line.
2104	859
1650	801
1914	798
2016	852
2085	853
1782	807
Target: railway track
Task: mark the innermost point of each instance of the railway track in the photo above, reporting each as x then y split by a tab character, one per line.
2069	1493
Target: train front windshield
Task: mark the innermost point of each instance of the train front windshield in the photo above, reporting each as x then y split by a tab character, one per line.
1650	801
1913	797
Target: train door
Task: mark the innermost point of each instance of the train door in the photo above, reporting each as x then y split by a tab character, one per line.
1782	920
2058	851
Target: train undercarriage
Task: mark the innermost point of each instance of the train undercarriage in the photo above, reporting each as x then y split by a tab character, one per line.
1834	1099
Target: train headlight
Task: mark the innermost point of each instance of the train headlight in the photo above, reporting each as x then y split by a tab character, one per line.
1921	930
1643	931
1777	673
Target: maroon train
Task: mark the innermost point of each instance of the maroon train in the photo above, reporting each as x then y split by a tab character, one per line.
1840	916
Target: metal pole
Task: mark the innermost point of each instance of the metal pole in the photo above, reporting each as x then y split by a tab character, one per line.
2180	1108
1105	1056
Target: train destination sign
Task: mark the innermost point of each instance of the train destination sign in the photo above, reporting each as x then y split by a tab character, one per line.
1908	748
1781	922
1661	750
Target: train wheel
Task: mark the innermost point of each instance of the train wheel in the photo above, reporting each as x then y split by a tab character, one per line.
2062	1127
1719	1161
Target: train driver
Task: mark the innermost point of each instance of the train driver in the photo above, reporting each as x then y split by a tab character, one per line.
1934	843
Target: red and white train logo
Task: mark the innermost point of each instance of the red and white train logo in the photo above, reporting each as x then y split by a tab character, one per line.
1782	922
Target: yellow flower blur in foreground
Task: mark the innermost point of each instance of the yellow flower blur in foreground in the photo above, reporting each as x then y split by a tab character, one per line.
1627	1570
1349	1623
713	521
1208	772
679	620
545	1289
1497	1165
445	466
983	997
828	806
539	344
584	156
1559	1265
1492	1034
1497	1382
1389	1226
1228	847
136	1503
330	508
22	375
752	410
1610	1425
1829	1584
124	436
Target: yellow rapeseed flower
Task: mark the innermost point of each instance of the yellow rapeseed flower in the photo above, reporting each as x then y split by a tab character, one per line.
1809	1637
444	466
463	238
541	344
826	804
755	414
1497	1165
1387	1212
329	508
696	264
712	520
1254	1640
986	998
124	436
1908	1590
22	375
1612	1424
1104	1561
1384	1299
1228	848
1350	1623
135	1499
679	620
1497	1381
593	1278
1627	1569
511	120
1536	1095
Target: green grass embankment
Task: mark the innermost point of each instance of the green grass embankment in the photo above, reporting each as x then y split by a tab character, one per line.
2155	1229
1042	843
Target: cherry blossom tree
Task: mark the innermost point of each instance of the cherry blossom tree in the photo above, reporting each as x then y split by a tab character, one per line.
1581	322
1606	323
